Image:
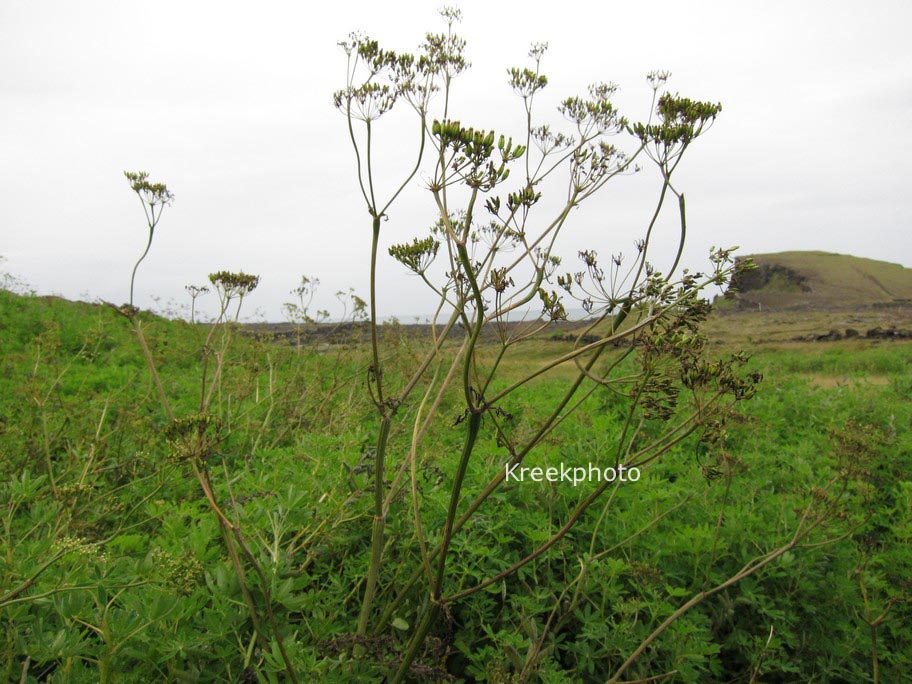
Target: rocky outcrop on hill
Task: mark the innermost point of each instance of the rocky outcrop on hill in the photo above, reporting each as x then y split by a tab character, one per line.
779	277
819	281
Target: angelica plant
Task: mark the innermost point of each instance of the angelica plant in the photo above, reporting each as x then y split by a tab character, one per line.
492	251
376	81
154	197
193	439
195	292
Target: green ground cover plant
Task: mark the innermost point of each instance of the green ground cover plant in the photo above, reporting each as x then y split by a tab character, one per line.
129	546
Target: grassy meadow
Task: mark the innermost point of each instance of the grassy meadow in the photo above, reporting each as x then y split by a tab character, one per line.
113	567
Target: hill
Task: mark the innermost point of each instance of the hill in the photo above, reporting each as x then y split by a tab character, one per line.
820	281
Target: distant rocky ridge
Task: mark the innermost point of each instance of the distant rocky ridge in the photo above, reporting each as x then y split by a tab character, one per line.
820	281
878	333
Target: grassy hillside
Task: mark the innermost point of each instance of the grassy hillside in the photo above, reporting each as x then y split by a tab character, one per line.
821	280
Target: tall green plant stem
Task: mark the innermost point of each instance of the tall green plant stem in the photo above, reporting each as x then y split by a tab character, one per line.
48	463
393	605
377	530
46	435
375	347
430	616
474	424
140	260
386	410
475	414
150	362
379	522
11	595
873	624
205	393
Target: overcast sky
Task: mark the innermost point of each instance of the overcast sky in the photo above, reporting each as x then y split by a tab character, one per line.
230	105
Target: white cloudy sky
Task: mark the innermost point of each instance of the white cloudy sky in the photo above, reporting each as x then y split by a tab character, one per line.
230	104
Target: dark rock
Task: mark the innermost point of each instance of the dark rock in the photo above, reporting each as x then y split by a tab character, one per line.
831	336
783	278
585	339
890	333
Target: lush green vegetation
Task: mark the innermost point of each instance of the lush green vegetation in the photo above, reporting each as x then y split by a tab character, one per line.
113	567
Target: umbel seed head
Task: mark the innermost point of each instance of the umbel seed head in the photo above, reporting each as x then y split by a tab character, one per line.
153	194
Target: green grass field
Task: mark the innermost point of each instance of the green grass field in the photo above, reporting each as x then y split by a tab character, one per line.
113	568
